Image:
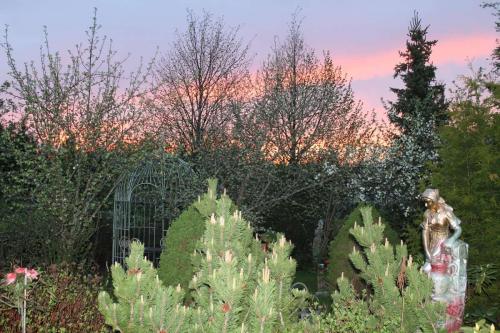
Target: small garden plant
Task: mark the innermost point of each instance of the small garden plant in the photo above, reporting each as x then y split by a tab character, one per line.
17	283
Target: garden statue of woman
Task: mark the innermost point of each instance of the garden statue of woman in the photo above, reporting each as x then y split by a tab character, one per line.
446	257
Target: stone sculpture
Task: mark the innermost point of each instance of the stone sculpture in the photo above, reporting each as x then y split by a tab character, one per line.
446	257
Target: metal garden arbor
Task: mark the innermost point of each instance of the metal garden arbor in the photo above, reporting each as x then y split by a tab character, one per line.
146	202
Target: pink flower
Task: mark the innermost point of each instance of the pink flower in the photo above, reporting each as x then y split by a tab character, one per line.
20	270
10	278
32	274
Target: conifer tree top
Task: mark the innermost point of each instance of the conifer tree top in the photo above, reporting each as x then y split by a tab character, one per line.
421	95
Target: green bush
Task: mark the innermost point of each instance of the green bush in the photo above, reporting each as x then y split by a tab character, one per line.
175	261
63	299
182	236
342	245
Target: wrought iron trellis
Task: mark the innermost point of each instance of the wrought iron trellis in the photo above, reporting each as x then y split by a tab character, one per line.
147	200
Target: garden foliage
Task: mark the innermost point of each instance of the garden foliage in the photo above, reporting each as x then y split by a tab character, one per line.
468	177
237	286
63	299
401	297
342	245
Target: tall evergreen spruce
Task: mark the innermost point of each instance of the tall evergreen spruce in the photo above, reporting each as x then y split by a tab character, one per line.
421	97
420	108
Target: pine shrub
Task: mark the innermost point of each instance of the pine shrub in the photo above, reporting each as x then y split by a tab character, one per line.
237	286
342	245
400	297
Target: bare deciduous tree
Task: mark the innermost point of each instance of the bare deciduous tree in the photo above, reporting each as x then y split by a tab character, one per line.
199	80
82	110
306	105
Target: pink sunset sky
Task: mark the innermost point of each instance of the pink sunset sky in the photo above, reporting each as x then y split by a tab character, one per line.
364	37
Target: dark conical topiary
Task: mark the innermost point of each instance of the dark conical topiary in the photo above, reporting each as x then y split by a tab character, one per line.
180	241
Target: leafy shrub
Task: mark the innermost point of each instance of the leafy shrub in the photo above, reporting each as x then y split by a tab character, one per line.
342	245
64	299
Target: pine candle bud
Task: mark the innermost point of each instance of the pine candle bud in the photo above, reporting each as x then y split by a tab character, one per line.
212	219
255	294
372	248
387	270
266	274
354	249
355	224
342	276
228	256
379	221
178	288
282	242
386	243
234	283
241	273
221	221
274	257
209	256
249	258
410	261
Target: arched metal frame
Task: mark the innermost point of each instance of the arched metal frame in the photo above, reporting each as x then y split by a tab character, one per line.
147	200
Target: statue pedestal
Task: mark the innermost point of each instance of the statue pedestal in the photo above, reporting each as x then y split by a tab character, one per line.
448	271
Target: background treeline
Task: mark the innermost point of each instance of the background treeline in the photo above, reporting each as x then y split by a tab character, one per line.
290	143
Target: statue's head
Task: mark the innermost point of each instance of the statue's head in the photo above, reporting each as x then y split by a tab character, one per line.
431	197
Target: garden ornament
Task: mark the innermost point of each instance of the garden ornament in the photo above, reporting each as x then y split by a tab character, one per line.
446	257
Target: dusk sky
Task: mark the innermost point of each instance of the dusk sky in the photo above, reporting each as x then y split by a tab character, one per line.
363	36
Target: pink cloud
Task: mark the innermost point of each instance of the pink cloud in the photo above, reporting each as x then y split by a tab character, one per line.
457	49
